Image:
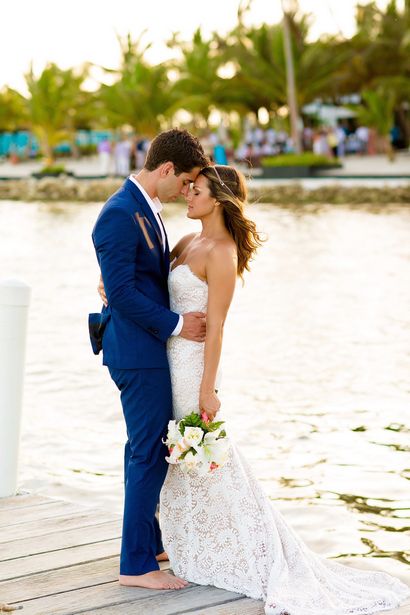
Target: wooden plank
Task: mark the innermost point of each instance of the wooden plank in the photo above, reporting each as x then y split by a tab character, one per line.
184	605
31	564
165	605
63	579
70	538
127	600
196	600
244	606
23	500
61	523
41	511
86	598
19	568
74	569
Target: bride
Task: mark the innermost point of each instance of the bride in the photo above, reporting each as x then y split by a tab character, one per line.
222	529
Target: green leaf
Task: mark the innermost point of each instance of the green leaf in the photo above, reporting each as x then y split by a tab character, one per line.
214	425
192	420
185	453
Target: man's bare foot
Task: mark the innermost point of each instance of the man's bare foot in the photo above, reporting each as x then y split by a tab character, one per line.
162	557
153	580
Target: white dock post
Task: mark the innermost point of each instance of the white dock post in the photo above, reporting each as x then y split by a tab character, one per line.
14	302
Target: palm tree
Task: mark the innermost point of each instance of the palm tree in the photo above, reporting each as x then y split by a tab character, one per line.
258	57
258	53
377	112
141	96
380	56
55	98
13	110
199	87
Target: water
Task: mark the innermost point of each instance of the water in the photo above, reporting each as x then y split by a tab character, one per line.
315	369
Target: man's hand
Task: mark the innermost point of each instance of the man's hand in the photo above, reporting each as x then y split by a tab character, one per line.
194	328
101	291
209	404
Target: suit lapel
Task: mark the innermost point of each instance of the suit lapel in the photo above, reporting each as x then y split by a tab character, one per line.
147	221
166	238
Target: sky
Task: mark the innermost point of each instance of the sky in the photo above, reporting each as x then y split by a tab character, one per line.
73	32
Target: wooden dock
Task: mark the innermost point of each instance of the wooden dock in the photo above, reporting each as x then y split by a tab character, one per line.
58	558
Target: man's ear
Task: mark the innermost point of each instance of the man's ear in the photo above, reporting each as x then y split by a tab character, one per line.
167	168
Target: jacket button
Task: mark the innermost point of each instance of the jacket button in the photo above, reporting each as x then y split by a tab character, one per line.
155	331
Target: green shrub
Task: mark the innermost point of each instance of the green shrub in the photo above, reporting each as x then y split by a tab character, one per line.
53	170
307	159
87	150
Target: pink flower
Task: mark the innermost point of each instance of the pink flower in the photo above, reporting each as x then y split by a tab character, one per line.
213	466
204	417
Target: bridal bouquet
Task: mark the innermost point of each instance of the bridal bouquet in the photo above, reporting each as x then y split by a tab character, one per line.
195	443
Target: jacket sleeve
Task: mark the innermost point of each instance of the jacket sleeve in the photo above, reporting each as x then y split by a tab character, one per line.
115	239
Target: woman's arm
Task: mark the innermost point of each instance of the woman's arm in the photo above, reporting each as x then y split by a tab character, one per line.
181	245
221	269
101	291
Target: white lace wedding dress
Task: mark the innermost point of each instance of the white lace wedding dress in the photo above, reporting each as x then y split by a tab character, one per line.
222	529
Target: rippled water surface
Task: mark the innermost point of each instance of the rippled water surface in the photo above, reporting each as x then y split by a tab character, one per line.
315	371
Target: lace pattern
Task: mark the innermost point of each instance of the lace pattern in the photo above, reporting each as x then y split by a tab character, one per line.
222	530
188	293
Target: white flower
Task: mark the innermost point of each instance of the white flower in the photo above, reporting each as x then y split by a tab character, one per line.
212	435
216	450
173	435
190	461
202	451
193	436
177	450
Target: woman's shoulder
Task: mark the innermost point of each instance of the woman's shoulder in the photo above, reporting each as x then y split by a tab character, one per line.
222	251
182	244
221	247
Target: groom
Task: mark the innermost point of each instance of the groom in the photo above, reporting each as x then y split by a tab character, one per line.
133	253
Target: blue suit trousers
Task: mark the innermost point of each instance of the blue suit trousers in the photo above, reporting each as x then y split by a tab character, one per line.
146	399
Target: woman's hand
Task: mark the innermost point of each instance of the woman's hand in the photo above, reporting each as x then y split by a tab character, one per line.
101	291
209	404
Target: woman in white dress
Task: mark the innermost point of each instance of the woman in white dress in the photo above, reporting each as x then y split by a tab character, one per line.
221	529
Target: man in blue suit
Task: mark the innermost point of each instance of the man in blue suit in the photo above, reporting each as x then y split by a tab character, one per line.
133	253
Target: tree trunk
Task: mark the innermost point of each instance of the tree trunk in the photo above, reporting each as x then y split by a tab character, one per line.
291	84
388	147
404	123
48	153
74	148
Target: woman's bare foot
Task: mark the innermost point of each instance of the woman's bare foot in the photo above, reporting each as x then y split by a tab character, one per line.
153	580
162	557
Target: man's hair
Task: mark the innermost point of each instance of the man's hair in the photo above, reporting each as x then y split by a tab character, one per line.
176	146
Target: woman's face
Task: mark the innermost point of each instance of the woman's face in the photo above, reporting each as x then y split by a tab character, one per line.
199	199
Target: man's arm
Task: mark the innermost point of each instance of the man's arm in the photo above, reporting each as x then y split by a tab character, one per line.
115	239
191	326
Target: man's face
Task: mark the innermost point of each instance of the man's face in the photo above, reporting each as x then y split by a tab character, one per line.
171	186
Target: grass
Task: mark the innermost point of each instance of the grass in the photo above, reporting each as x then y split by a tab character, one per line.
307	159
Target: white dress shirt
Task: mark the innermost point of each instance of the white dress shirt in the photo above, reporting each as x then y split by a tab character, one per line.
156	206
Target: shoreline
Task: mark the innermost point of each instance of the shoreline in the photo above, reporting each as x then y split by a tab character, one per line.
293	192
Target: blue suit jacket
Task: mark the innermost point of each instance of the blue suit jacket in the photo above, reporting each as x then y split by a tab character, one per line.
135	270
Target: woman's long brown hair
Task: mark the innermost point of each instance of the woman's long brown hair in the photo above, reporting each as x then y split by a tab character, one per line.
228	187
